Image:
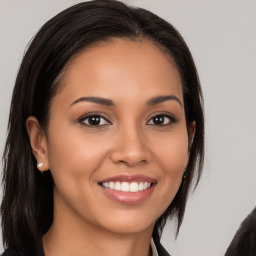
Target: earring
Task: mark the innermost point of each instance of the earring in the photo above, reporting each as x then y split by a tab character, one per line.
40	165
185	173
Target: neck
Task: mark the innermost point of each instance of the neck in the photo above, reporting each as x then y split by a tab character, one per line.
70	235
70	242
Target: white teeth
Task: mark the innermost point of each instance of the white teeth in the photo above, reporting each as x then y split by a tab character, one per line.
105	184
134	187
117	186
111	185
127	187
141	186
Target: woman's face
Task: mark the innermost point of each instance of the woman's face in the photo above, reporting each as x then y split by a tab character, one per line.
117	141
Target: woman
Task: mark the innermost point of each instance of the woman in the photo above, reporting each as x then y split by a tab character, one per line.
106	134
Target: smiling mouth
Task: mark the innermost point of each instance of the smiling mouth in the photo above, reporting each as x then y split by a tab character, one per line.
132	187
128	189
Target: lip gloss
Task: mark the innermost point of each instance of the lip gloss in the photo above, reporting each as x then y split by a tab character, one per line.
128	189
128	197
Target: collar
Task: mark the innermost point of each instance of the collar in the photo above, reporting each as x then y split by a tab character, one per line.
153	248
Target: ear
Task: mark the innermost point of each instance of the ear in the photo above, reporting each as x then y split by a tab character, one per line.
191	133
38	143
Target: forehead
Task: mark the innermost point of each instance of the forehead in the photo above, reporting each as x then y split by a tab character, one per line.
111	68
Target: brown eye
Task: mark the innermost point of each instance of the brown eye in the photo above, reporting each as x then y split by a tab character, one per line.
94	120
160	120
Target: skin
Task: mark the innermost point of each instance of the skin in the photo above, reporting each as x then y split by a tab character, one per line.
127	141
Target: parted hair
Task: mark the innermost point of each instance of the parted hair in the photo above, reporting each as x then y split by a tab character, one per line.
27	204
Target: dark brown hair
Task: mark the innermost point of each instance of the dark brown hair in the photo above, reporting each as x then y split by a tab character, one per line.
27	205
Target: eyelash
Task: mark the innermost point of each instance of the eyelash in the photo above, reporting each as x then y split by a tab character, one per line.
165	115
107	122
91	115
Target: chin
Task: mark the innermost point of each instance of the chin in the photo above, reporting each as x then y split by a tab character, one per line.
129	224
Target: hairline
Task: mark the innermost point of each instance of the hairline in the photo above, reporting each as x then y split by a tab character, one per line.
60	81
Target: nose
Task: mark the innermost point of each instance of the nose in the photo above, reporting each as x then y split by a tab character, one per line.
130	148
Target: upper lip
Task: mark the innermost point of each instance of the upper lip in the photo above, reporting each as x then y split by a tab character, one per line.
130	178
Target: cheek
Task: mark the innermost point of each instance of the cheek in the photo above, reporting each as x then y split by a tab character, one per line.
172	153
73	162
73	156
172	158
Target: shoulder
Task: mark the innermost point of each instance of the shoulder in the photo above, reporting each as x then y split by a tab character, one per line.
9	252
244	241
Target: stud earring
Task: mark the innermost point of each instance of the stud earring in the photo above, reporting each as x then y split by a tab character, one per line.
40	165
185	173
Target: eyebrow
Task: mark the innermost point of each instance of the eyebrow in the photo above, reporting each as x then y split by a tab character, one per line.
97	100
108	102
160	99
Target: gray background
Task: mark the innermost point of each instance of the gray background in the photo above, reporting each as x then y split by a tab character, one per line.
222	37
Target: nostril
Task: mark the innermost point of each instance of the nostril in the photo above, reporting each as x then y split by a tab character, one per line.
131	162
130	147
129	158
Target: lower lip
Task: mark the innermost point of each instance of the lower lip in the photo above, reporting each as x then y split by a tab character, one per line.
128	197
